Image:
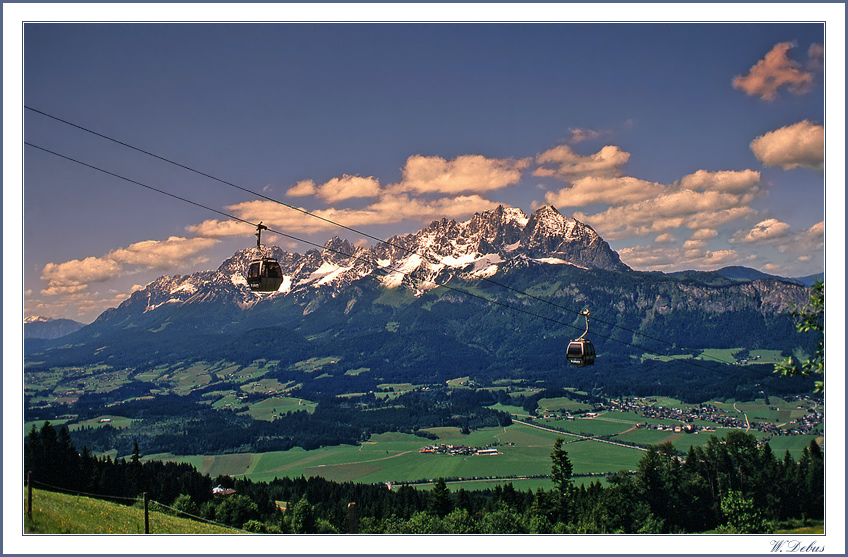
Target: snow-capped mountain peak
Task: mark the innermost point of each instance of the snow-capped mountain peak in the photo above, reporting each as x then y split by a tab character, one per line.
475	249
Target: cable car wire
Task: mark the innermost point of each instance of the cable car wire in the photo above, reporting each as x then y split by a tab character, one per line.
367	235
387	271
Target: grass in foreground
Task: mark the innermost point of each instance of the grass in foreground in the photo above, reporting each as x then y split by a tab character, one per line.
802	527
59	513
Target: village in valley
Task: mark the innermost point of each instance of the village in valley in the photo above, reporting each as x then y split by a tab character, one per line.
705	417
459	450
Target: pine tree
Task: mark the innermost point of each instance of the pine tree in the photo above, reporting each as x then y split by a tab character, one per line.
439	501
561	476
561	468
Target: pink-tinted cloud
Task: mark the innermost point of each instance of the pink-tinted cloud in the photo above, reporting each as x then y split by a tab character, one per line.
777	70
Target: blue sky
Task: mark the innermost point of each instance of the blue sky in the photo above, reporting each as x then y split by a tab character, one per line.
685	145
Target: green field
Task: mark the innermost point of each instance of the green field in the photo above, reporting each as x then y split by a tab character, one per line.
562	404
726	355
460	382
514	410
100	421
270	408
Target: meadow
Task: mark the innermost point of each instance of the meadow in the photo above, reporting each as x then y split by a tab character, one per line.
523	448
395	457
59	513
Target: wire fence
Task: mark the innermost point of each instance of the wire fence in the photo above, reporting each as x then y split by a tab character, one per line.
144	500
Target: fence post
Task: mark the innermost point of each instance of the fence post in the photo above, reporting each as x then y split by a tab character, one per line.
29	495
352	519
146	516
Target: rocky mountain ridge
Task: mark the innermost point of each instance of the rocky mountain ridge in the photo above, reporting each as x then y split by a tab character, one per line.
477	248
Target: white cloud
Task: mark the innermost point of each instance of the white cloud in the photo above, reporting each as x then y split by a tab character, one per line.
697	257
467	173
701	200
768	230
674	209
798	145
700	238
732	181
807	241
388	209
167	254
592	189
568	165
779	234
75	276
777	70
222	228
422	175
338	189
302	189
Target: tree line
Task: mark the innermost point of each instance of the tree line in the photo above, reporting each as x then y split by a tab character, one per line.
730	485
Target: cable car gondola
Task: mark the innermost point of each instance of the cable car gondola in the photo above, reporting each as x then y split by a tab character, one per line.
264	274
580	351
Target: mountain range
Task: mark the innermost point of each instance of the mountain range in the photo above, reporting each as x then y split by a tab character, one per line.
44	327
488	243
500	293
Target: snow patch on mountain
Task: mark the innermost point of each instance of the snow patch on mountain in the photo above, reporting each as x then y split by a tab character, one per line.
396	276
286	287
461	261
555	261
185	287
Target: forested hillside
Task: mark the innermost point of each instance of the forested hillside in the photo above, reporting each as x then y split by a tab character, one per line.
731	485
